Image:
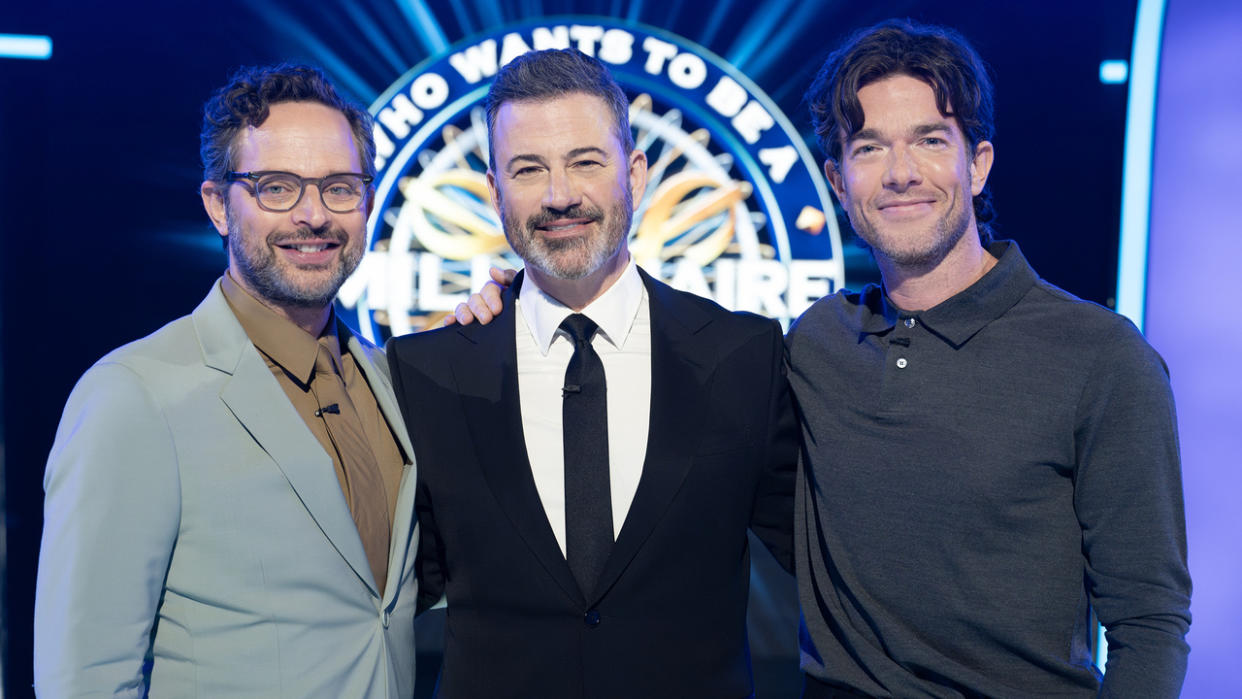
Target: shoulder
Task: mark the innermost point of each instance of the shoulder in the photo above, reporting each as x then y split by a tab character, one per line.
434	352
209	338
1054	299
1083	325
172	348
842	311
130	389
1090	348
425	341
699	314
123	402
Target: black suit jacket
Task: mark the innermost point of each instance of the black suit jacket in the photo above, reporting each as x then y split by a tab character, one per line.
668	618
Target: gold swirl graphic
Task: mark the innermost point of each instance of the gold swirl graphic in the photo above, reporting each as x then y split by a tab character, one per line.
445	227
669	215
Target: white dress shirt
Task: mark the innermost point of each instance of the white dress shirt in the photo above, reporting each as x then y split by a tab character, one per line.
543	352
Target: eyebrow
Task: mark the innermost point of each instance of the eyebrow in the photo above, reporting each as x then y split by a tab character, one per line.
539	160
920	130
577	152
924	129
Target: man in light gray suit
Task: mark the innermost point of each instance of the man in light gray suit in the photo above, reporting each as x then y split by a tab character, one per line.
229	500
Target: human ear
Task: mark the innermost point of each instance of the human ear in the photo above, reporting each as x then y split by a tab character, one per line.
638	176
833	174
213	201
980	166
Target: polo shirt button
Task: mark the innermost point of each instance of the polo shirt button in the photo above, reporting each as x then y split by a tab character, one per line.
901	362
385	618
910	322
591	618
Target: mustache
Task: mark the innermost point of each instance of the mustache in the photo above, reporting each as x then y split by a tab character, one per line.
327	232
547	216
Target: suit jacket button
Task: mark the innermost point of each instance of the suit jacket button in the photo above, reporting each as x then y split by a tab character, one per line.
591	618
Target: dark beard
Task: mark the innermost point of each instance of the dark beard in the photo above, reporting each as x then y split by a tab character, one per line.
267	277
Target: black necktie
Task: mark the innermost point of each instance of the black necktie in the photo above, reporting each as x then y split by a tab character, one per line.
588	499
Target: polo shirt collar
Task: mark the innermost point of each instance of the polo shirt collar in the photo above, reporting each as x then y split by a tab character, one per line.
614	311
962	316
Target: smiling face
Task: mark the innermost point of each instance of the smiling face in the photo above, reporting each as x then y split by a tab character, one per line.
295	259
907	177
564	187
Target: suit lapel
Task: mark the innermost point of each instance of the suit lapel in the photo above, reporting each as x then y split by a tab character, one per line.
255	398
680	369
485	369
371	361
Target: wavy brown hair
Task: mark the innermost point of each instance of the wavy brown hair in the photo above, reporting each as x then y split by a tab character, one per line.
247	100
938	56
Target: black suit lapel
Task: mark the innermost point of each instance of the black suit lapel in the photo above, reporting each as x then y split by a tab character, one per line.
485	370
680	368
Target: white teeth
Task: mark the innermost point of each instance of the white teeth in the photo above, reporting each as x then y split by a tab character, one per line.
311	248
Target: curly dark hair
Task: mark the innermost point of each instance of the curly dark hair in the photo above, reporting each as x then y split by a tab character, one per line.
938	56
247	99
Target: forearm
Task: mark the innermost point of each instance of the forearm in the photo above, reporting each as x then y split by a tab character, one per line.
1146	657
1128	496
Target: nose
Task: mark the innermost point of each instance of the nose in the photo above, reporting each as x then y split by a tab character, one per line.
562	192
310	211
903	169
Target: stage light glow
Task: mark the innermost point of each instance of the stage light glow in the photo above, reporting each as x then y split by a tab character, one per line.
424	23
1114	72
1136	182
757	33
1136	175
38	48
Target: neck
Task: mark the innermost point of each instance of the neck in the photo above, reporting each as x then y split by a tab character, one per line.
311	319
920	287
577	294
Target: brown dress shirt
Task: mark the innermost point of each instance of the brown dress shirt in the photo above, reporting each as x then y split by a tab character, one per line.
290	353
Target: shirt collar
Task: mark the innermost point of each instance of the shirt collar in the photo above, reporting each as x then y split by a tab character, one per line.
614	311
962	316
276	336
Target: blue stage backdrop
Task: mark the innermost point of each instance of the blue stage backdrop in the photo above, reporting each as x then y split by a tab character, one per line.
105	239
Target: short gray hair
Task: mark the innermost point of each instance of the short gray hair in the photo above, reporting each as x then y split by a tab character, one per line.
539	76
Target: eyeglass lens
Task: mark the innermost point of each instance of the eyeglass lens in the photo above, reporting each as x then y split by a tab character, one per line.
282	191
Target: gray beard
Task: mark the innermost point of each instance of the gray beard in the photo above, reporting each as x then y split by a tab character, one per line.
572	258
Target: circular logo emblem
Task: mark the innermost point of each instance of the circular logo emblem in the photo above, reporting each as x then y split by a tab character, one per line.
735	208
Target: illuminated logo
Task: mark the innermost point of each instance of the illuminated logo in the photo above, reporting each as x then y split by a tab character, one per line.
735	207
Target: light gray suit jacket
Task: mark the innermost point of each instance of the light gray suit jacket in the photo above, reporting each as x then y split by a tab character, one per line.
196	539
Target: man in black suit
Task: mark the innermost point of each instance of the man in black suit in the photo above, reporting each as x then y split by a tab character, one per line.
590	461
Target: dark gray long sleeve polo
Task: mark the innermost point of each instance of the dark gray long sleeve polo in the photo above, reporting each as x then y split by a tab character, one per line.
977	477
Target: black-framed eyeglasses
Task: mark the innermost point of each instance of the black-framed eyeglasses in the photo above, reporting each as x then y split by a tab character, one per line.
277	191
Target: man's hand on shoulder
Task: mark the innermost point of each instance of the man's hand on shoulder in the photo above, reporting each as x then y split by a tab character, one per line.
485	304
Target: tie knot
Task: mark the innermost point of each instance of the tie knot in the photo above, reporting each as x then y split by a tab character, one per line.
579	327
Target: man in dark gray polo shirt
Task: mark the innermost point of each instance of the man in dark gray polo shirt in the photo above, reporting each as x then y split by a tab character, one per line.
988	460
